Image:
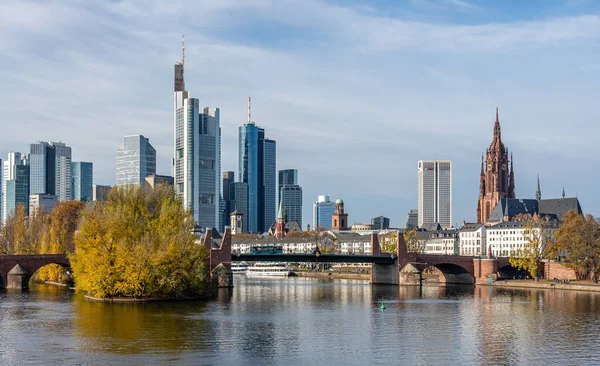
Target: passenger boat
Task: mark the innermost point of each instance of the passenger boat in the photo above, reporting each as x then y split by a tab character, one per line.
268	269
239	267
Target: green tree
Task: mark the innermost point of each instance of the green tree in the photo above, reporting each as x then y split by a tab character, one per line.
389	242
139	244
537	247
578	241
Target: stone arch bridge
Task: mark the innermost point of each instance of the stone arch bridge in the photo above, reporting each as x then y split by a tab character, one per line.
16	270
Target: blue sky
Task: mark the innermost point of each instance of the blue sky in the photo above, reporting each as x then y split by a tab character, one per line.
354	92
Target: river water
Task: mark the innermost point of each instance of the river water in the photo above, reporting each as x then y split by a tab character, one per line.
306	321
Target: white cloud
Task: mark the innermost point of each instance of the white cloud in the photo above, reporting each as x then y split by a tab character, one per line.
354	98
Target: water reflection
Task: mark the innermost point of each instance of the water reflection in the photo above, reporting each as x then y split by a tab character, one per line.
308	321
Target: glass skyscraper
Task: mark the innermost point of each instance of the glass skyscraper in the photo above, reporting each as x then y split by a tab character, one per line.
322	211
435	192
197	156
290	195
50	169
83	175
17	191
270	184
136	159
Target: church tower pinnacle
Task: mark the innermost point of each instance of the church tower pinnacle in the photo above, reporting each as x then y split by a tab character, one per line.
538	192
497	180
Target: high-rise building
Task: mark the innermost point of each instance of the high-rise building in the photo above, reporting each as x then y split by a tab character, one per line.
16	191
270	184
136	159
238	194
412	219
51	169
197	155
100	192
228	205
9	174
495	180
47	201
290	196
435	192
155	180
83	175
257	167
322	211
380	223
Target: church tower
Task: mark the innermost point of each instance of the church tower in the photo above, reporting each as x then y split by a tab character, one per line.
339	219
497	177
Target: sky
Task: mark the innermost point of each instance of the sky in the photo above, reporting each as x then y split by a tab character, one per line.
354	92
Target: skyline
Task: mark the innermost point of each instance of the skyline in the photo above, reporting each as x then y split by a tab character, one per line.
100	72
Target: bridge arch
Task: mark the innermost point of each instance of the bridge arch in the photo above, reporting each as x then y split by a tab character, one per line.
30	263
508	272
452	273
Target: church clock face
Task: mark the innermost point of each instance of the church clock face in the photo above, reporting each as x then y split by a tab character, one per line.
489	167
503	166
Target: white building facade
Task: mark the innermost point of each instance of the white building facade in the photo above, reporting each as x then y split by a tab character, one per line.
443	242
435	192
508	238
472	240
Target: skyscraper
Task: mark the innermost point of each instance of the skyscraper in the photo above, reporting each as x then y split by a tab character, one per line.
435	192
83	175
322	211
290	195
12	191
51	170
100	192
270	184
257	167
197	155
16	191
228	204
136	159
412	219
380	223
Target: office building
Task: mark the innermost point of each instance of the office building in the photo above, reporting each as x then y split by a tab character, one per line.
16	191
238	194
228	206
270	184
151	182
100	192
380	223
290	196
9	174
46	201
51	170
83	175
136	159
257	167
435	192
322	211
412	219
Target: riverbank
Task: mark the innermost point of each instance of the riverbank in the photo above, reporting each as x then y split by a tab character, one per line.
547	284
335	275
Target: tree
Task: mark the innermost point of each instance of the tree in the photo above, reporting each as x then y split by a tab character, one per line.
537	246
578	242
139	244
413	242
389	242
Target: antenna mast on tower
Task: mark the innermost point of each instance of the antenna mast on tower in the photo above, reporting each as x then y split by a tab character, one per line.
249	119
182	56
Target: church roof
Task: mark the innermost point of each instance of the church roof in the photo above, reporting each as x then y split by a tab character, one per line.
470	227
559	206
512	207
554	208
434	226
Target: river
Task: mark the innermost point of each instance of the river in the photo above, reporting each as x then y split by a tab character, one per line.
306	321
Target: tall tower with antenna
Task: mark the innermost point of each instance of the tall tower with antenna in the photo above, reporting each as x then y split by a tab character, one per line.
196	165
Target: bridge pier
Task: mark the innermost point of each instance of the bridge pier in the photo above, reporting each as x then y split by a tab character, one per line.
410	276
383	274
485	268
17	278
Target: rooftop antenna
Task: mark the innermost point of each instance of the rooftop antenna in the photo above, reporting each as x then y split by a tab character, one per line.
249	119
182	56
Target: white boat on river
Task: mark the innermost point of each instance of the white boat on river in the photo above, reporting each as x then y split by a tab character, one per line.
268	269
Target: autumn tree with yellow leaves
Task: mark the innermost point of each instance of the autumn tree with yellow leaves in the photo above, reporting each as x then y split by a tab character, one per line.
139	244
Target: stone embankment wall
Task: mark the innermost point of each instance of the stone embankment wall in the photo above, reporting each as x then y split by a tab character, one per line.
557	270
